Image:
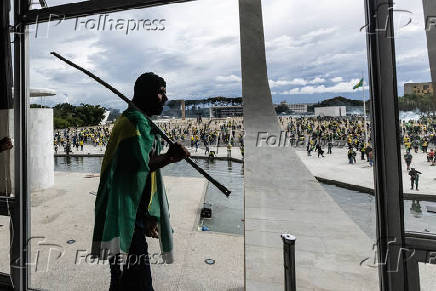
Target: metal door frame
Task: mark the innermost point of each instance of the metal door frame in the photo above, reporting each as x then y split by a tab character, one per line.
399	252
20	203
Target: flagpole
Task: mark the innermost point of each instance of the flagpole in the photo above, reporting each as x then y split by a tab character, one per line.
364	109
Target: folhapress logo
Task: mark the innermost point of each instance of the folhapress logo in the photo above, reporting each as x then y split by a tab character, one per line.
273	140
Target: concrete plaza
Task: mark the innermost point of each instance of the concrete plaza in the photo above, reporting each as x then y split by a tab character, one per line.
62	223
336	167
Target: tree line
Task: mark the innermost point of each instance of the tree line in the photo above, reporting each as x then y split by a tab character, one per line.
67	115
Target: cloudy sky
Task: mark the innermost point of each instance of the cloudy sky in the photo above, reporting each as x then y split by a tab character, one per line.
315	50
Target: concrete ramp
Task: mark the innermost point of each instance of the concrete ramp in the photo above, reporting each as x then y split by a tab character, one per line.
281	196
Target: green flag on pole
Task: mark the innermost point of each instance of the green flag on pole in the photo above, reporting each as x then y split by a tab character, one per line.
358	85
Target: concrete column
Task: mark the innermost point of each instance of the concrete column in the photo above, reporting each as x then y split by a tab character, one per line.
259	113
41	150
260	162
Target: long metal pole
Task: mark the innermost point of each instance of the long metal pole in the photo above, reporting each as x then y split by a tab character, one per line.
221	187
364	110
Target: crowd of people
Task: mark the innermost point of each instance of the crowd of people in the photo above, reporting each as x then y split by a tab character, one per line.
206	133
418	135
194	133
73	138
317	134
320	133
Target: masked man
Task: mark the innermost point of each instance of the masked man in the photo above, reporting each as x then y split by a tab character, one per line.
131	202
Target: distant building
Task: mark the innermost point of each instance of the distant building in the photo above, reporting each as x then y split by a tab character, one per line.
225	111
418	88
299	108
355	110
334	111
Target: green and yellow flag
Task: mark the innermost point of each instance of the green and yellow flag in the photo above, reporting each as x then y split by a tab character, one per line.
358	85
123	180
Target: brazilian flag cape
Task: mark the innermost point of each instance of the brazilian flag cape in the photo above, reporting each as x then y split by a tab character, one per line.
123	179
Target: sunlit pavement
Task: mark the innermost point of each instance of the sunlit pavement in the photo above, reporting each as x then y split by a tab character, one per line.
336	167
62	221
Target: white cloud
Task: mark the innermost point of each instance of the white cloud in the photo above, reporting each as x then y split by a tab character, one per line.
341	87
281	83
309	44
230	78
312	35
283	41
293	91
310	38
191	57
317	80
337	79
273	84
413	55
296	82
